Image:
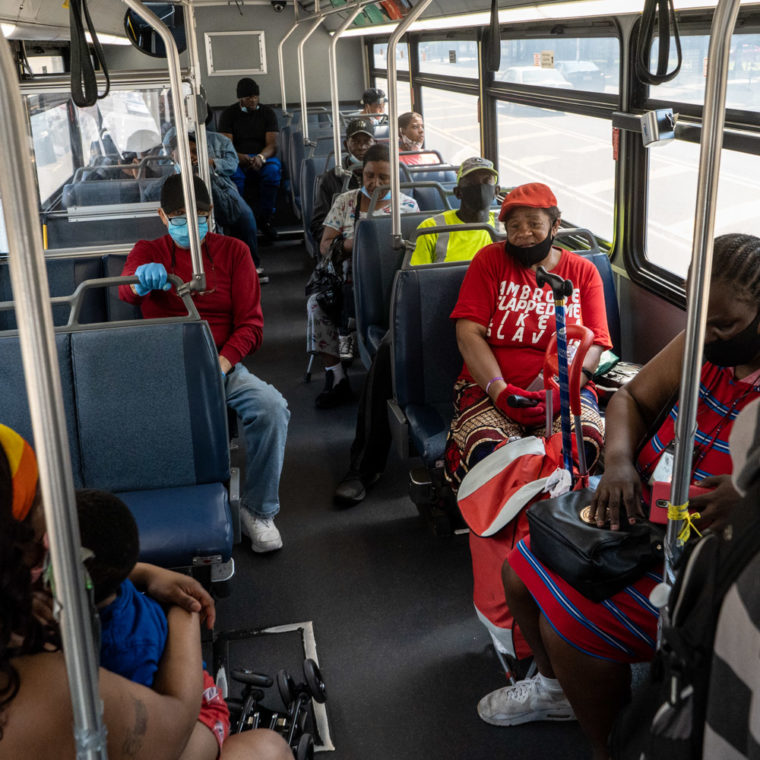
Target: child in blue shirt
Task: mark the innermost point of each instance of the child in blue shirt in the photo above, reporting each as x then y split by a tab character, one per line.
133	628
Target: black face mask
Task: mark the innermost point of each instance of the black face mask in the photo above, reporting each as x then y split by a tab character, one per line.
532	254
741	349
478	197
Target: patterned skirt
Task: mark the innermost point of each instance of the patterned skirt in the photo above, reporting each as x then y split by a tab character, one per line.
479	427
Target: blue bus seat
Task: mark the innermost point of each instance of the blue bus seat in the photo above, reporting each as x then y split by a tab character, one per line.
374	265
147	420
100	192
14	409
63	277
310	169
426	359
116	309
298	152
167	373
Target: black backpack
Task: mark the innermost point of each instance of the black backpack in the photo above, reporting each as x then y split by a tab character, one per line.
666	719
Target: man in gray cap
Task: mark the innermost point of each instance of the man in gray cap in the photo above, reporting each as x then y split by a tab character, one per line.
360	137
253	129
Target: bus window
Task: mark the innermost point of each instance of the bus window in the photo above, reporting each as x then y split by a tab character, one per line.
569	152
458	58
688	86
454	142
127	112
672	200
571	63
403	93
380	56
52	147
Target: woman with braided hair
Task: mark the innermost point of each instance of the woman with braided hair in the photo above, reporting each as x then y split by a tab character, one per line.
583	649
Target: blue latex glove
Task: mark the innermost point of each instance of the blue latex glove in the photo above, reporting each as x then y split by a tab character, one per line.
152	277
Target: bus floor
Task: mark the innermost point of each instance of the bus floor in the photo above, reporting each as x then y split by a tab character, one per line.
403	656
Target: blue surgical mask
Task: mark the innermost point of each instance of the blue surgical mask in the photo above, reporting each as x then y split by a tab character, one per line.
243	109
353	160
181	235
386	197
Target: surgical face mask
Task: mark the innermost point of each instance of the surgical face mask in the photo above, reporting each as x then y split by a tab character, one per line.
532	254
408	144
180	234
244	109
741	349
386	197
478	197
353	160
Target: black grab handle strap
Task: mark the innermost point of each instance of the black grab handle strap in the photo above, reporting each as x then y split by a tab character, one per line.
666	18
84	86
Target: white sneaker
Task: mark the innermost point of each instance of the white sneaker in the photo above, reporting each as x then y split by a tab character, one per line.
262	531
524	702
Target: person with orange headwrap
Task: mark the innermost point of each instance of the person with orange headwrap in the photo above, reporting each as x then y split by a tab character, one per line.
23	470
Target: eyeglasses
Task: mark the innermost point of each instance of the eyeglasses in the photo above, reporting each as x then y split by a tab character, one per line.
181	221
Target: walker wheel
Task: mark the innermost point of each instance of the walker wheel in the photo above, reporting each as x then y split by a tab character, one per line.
286	687
305	748
314	680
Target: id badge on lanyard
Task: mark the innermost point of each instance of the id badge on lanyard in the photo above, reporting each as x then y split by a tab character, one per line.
663	472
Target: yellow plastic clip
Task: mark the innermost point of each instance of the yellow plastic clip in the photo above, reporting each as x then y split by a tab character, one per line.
676	512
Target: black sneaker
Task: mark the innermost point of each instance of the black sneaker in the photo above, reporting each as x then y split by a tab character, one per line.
269	232
353	488
334	394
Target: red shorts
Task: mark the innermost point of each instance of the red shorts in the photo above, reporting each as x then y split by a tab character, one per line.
214	712
622	628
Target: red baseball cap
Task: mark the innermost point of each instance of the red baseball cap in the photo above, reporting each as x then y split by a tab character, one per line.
533	195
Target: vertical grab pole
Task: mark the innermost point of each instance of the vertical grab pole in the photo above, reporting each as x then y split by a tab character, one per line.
713	119
302	79
183	145
398	33
201	146
333	64
43	383
281	62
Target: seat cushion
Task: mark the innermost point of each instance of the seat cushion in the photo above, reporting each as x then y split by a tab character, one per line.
428	427
177	525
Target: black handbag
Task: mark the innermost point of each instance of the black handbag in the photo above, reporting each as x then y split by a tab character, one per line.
328	288
597	562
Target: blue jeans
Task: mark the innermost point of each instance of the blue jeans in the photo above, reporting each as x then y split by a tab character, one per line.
264	414
267	180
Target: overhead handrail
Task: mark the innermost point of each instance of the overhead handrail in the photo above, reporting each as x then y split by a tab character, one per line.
302	74
43	384
183	144
333	66
713	121
398	33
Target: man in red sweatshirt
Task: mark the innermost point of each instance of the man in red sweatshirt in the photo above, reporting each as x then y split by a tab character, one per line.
231	304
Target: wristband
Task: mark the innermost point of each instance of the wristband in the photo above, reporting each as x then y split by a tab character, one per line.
491	382
588	373
263	160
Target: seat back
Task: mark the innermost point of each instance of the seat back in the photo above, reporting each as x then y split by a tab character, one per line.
63	277
100	192
116	309
150	406
426	359
311	168
374	264
14	407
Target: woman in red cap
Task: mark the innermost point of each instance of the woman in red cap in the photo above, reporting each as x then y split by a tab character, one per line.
141	722
504	324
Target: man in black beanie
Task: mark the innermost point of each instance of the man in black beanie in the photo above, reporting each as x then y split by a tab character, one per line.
253	130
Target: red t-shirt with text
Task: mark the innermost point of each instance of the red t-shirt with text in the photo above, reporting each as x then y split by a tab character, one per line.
503	296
